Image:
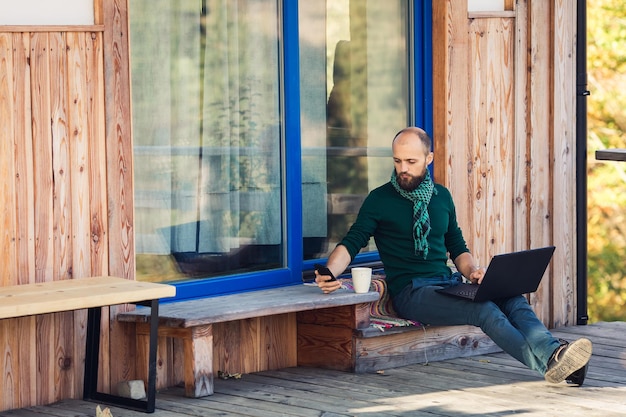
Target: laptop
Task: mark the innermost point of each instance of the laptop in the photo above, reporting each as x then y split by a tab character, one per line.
507	275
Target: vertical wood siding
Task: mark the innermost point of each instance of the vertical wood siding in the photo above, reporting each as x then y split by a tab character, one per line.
504	133
53	196
504	125
563	123
119	167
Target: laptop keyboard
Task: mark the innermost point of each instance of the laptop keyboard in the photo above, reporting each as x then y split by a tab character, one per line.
470	291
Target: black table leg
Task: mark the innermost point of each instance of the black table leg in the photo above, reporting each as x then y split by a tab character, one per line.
92	352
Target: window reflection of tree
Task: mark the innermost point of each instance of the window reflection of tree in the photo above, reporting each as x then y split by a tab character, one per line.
346	166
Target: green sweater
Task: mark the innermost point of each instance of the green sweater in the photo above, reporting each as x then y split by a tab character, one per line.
388	216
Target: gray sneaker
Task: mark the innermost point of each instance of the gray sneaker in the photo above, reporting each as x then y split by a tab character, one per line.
567	359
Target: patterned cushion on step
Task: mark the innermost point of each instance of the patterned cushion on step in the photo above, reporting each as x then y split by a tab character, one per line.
382	314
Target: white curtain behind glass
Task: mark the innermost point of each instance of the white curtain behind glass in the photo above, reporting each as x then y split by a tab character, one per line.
164	75
240	139
205	125
312	26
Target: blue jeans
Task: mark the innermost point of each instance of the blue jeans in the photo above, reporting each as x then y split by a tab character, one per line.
510	323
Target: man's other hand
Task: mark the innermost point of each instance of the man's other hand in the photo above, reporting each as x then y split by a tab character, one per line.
325	284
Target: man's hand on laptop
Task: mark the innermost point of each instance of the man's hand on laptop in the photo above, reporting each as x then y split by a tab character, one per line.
477	274
467	265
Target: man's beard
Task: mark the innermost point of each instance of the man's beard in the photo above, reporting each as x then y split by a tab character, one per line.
411	183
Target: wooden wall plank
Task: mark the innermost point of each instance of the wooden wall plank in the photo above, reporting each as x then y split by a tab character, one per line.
251	346
98	212
166	354
165	351
460	151
23	155
24	337
78	160
42	157
10	394
539	145
7	163
532	184
63	324
119	139
43	206
119	159
78	97
521	143
490	138
177	360
27	359
278	341
88	178
45	349
564	171
98	228
62	204
225	338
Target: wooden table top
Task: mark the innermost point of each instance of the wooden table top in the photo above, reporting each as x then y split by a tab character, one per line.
74	294
615	154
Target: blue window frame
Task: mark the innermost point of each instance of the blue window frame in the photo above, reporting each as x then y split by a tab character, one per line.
420	113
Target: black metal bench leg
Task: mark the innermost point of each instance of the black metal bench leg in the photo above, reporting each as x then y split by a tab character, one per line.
152	367
92	353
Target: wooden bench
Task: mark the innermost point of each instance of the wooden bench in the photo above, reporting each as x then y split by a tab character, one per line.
92	294
256	331
294	326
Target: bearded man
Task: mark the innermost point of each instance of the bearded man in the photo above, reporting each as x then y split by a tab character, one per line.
414	225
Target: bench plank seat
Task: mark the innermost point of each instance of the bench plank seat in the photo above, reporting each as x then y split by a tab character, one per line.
246	305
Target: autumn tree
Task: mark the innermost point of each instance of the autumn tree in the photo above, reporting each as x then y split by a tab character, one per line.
606	61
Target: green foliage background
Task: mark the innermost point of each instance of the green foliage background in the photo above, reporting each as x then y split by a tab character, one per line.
606	61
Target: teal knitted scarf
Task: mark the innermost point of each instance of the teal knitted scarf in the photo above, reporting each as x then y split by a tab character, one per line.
421	221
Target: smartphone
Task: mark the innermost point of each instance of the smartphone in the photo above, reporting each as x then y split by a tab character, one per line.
322	270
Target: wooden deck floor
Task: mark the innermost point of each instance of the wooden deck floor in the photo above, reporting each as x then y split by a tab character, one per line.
490	385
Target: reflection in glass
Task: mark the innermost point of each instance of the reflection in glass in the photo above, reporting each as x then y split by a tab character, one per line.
354	98
206	132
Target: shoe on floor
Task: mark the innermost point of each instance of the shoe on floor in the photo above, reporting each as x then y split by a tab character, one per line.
578	377
568	359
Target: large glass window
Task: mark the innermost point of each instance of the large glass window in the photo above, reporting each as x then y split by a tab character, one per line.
354	60
207	137
247	169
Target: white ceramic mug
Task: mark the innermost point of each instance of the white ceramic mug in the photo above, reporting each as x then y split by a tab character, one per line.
361	279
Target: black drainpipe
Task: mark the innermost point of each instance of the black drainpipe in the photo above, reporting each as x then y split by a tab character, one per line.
581	162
